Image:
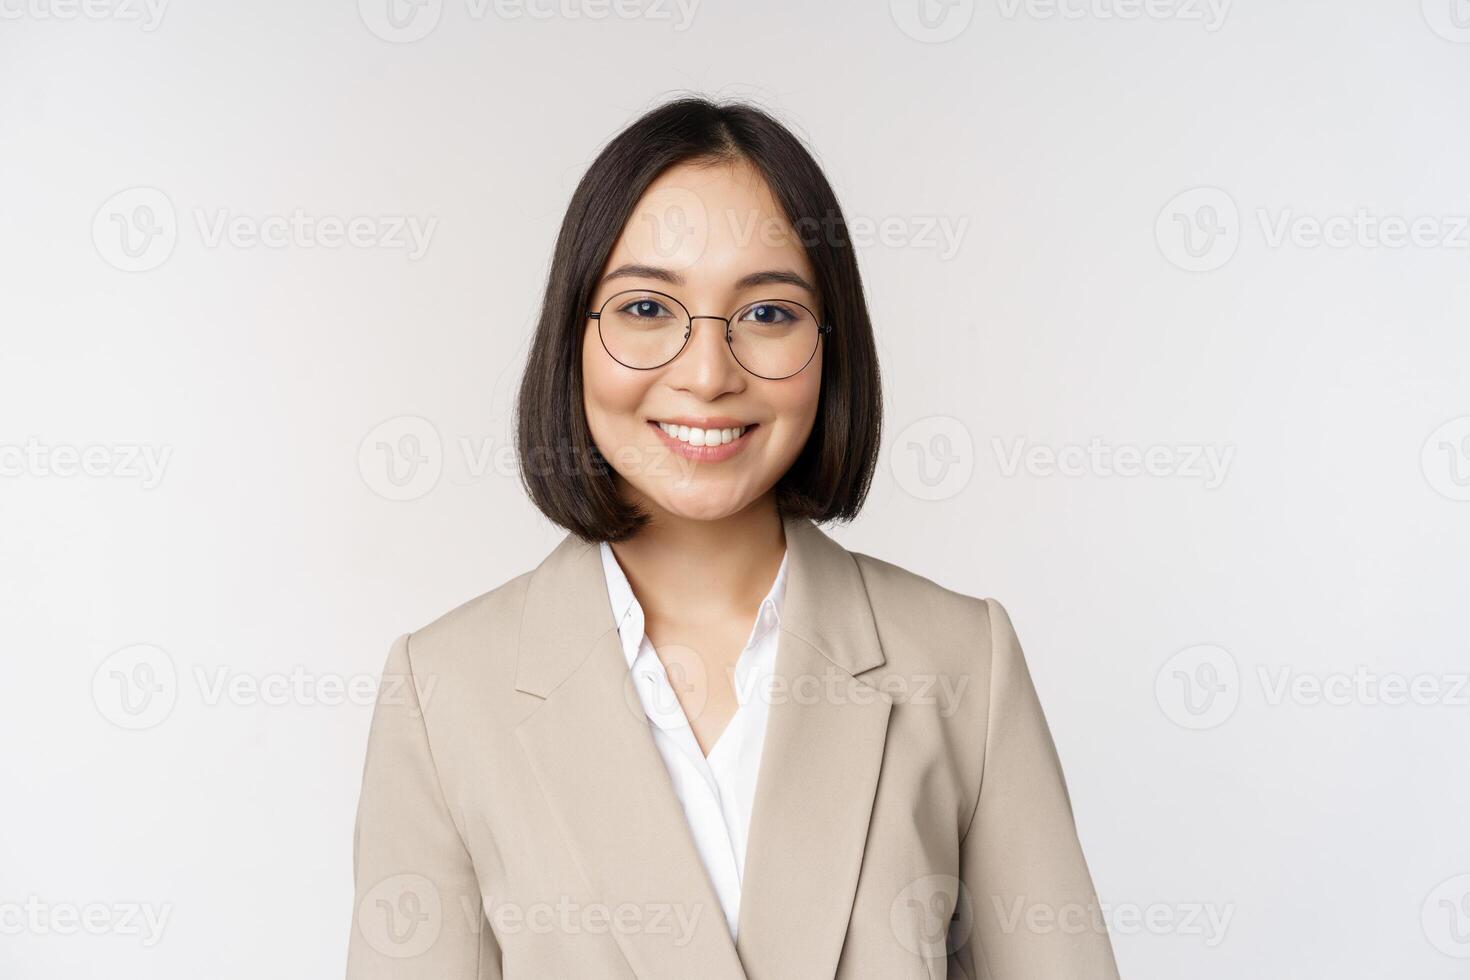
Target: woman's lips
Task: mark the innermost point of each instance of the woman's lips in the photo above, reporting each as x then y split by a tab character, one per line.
705	454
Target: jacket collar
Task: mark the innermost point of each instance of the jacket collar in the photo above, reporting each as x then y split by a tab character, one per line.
567	607
594	758
628	611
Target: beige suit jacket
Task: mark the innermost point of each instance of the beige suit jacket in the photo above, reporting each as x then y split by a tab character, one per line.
910	820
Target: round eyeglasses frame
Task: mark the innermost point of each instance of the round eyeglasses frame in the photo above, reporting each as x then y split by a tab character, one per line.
689	318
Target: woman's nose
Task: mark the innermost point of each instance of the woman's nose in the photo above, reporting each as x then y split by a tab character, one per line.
707	358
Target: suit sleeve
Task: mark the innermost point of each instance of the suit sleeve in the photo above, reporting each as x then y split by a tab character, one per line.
417	910
1034	912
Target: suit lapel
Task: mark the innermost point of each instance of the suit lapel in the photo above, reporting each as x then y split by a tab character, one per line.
601	774
819	767
589	745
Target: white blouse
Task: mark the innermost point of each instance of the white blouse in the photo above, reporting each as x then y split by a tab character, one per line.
716	792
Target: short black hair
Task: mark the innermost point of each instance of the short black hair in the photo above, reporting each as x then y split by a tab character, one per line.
565	475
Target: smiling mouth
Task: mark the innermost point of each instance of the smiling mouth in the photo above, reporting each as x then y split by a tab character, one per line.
704	437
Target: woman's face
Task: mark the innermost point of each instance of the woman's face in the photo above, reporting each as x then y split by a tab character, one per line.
695	234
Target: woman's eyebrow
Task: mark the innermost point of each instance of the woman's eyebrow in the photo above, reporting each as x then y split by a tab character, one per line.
765	277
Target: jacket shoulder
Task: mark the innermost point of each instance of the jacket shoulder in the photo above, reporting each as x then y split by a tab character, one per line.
476	634
923	625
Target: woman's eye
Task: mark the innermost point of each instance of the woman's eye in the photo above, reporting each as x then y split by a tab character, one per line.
769	313
644	308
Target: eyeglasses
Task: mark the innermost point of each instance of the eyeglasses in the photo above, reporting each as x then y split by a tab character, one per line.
771	338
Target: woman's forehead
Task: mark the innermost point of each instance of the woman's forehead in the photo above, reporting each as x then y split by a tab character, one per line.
712	223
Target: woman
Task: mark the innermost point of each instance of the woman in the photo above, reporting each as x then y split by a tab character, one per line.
701	739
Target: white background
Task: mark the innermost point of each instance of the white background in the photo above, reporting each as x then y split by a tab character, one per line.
1161	613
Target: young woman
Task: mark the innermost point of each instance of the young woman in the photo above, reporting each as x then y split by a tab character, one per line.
701	739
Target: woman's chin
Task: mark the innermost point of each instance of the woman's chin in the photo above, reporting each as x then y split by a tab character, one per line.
700	504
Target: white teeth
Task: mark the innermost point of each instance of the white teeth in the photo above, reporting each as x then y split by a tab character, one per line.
702	437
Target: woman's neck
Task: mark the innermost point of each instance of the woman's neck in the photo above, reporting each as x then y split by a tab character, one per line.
687	570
